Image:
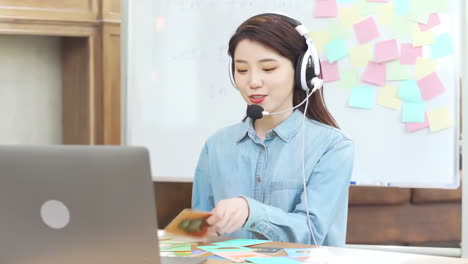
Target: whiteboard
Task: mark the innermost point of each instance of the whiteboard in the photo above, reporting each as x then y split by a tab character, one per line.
177	92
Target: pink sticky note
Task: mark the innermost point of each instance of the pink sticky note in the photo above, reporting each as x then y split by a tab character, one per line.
325	8
432	21
411	127
375	73
366	30
386	51
409	54
330	71
430	86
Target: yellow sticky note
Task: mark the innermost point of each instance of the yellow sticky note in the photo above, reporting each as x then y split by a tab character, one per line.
424	66
388	97
360	55
421	38
385	13
320	39
439	119
348	16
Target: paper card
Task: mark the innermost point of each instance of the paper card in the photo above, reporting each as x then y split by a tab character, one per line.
401	6
421	38
418	10
431	86
320	39
439	119
412	127
336	49
330	71
366	30
385	13
386	50
307	252
409	91
388	97
348	15
349	78
242	242
400	27
413	112
272	260
360	56
433	21
375	73
424	66
189	223
336	30
442	46
409	53
362	97
241	256
224	248
397	72
180	248
267	250
325	8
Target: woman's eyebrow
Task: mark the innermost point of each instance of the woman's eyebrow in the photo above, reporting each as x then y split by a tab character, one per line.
262	60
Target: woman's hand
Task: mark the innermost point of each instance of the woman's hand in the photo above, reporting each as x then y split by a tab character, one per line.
229	215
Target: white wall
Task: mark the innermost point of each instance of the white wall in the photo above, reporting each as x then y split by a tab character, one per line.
30	90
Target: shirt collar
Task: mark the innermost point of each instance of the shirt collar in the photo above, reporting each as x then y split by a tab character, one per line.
286	130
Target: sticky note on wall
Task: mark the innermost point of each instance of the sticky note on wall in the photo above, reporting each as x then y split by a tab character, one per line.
375	73
366	30
439	119
362	97
408	53
413	112
412	127
348	78
431	86
442	46
359	56
330	71
424	66
386	50
336	49
325	8
388	97
409	91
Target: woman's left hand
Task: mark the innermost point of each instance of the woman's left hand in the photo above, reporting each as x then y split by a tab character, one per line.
229	215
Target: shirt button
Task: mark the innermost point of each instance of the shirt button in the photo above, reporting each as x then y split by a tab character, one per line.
259	179
252	225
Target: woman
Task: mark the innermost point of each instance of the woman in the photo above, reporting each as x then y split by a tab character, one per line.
250	175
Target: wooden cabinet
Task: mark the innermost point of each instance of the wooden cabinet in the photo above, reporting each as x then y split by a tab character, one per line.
90	31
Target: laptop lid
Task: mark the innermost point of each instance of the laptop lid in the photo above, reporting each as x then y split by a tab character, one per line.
76	205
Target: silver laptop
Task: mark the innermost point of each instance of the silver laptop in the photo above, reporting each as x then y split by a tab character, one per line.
76	205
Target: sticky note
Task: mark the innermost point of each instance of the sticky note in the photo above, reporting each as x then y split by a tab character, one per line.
345	1
432	21
224	248
325	8
366	8
439	119
384	14
386	51
330	71
401	6
424	66
180	248
408	53
379	1
336	30
348	15
400	27
418	10
360	55
437	6
240	257
336	49
413	112
412	127
366	30
307	252
362	97
320	39
348	78
409	91
242	242
421	38
397	72
272	260
375	73
388	97
442	46
430	86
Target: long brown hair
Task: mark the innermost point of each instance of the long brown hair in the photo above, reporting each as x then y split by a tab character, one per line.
277	33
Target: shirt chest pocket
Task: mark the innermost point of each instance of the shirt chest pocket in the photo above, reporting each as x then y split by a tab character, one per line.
285	194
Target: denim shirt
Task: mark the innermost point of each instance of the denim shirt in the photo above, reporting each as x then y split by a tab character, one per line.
268	174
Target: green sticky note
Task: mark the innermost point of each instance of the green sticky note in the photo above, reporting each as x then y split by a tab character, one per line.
224	248
397	72
413	112
366	8
401	6
345	1
272	260
242	242
335	30
362	97
424	66
349	78
409	91
442	46
400	26
336	49
418	10
180	248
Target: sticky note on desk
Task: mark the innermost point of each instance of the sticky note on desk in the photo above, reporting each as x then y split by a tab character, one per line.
336	49
224	248
362	97
431	86
439	119
375	73
413	112
241	256
325	8
242	242
442	46
386	50
366	30
409	91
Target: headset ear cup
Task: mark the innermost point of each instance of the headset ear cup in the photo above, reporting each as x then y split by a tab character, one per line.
305	60
298	78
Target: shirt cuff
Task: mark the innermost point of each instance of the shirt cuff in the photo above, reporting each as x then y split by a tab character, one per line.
257	213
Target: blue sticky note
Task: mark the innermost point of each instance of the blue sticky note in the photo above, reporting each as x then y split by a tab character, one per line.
345	1
242	242
409	91
362	97
224	248
336	49
442	46
413	112
401	6
272	260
